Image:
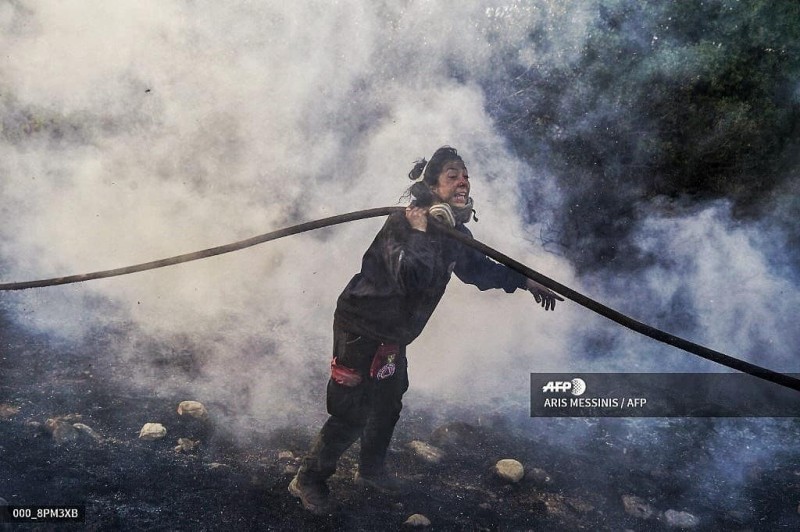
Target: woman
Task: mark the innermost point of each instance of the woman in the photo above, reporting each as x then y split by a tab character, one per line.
383	309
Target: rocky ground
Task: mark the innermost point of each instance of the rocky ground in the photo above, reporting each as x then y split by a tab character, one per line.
67	436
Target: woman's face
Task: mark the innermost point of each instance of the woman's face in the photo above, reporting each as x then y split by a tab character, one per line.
453	184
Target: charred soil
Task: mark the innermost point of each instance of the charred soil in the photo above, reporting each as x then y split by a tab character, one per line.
235	481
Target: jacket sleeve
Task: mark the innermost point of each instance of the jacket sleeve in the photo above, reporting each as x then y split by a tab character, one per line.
475	268
408	255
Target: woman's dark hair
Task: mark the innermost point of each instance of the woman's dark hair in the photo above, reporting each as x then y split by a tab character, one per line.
421	190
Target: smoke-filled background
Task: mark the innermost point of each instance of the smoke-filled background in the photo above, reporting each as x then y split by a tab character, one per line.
644	153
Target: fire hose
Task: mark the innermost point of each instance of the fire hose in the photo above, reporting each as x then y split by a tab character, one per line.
607	312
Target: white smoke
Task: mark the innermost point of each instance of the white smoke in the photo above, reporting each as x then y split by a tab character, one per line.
133	131
712	281
139	130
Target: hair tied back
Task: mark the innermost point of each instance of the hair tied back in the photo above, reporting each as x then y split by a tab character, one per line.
419	167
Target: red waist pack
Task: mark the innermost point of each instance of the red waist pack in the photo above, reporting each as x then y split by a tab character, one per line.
344	375
383	363
383	366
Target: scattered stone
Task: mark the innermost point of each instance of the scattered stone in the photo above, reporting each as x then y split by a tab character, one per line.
539	476
683	520
485	506
88	431
185	445
398	506
152	431
61	431
425	451
509	470
580	505
193	409
217	465
417	521
290	469
8	411
286	455
637	507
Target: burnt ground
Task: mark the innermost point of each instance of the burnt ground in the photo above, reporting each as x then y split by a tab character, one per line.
239	482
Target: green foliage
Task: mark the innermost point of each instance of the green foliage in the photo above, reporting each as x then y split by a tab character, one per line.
721	101
683	99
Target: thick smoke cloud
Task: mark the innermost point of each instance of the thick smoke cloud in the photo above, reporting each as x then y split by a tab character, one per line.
138	130
142	130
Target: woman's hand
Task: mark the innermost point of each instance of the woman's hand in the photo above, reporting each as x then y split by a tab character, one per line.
417	217
543	295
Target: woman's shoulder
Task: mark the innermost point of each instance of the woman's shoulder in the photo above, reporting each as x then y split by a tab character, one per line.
395	227
397	220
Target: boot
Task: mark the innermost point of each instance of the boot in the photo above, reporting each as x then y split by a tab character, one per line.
313	494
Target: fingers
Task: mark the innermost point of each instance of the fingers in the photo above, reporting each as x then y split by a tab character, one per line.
417	217
546	298
415	212
543	295
551	299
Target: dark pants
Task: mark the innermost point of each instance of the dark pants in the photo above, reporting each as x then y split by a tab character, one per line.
369	410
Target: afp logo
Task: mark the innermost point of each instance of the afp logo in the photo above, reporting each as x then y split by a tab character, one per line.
575	386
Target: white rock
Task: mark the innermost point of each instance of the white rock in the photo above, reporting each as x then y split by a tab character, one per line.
417	521
193	409
425	451
677	519
637	507
8	411
286	455
185	445
509	469
152	431
61	431
88	431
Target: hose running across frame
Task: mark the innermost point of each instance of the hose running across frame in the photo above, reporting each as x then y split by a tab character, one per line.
607	312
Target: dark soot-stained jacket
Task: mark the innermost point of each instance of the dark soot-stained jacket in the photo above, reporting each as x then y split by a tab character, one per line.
403	276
